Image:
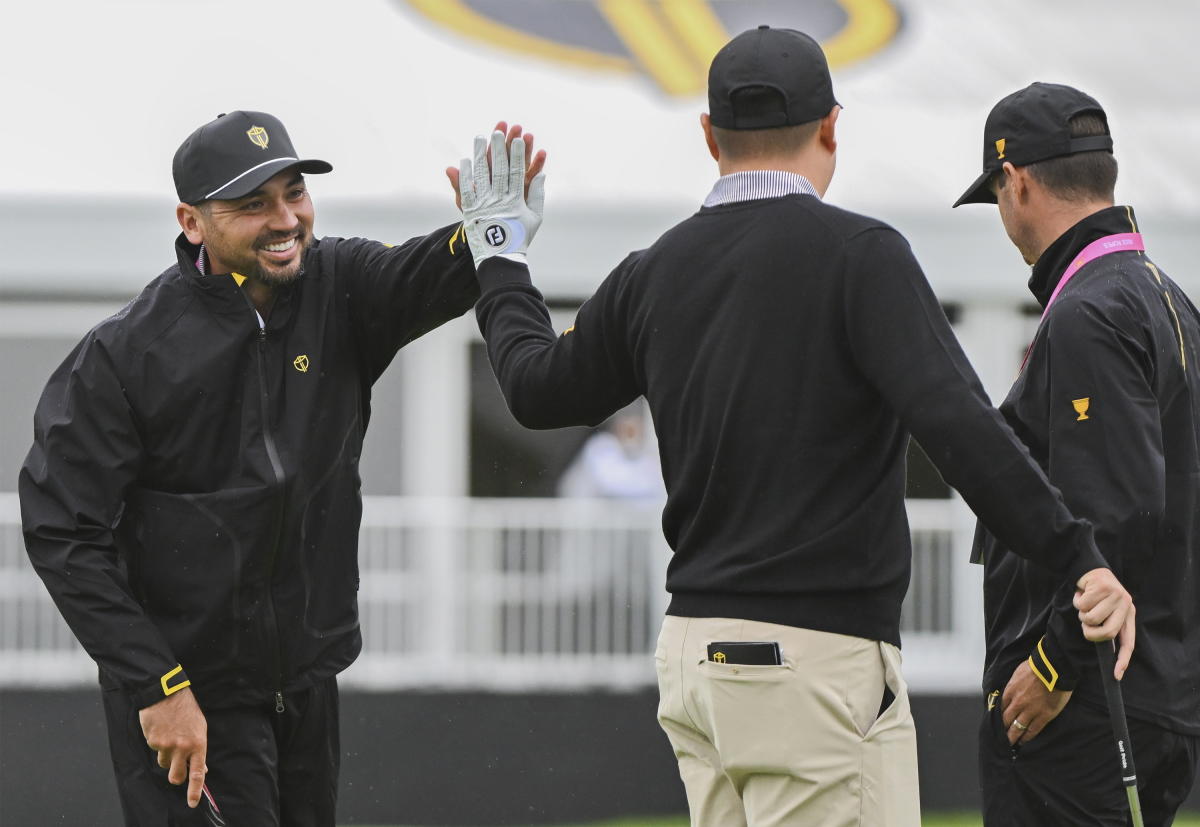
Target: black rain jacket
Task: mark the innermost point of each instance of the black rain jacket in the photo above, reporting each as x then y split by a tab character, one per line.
1109	405
192	497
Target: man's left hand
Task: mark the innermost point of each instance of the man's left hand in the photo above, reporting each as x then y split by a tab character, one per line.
1027	706
534	163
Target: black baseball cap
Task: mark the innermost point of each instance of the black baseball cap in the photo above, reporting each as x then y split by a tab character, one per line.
233	155
766	78
1033	124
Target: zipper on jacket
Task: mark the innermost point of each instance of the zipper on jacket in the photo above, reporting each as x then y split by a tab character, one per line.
277	469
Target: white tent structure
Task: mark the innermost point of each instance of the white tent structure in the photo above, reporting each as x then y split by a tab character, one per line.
98	95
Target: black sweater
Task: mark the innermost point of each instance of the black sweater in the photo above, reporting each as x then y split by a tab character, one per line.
786	348
1124	337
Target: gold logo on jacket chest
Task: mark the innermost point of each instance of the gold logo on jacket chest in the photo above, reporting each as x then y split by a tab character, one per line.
1081	407
301	363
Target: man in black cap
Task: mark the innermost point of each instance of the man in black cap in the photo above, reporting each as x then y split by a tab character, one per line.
191	499
786	349
1107	401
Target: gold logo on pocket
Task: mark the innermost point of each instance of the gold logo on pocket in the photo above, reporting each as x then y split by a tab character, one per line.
992	700
718	657
1081	407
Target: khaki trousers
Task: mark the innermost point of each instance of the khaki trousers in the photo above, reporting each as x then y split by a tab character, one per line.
798	744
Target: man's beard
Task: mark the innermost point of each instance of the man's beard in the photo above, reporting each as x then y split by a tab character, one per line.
248	264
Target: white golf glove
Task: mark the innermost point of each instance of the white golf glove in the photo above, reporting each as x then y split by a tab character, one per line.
496	217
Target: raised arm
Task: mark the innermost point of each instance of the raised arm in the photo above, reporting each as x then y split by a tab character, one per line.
548	380
904	345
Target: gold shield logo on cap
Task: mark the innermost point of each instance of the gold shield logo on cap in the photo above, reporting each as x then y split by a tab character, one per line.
999	149
258	136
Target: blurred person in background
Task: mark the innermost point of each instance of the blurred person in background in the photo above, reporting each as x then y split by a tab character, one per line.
192	496
619	462
1107	402
786	349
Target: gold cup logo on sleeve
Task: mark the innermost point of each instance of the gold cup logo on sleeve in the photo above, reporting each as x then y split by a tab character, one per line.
1081	407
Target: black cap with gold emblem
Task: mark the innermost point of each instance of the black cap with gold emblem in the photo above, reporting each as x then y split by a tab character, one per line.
233	155
1033	124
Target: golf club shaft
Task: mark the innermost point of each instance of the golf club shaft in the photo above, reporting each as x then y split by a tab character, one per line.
1116	713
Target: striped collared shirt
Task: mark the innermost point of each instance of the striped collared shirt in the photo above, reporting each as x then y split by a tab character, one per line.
758	183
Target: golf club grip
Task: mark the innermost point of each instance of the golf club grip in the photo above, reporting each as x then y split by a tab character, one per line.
1116	713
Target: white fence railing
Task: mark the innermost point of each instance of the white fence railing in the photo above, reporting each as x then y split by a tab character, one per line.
519	594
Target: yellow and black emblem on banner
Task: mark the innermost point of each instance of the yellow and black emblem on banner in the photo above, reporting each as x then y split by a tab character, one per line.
670	41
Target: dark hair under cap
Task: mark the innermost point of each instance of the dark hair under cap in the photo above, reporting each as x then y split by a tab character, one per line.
1033	124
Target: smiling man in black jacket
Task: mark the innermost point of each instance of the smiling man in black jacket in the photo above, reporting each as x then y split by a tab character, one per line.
786	348
1107	403
191	499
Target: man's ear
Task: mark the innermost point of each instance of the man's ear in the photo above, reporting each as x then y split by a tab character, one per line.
1017	180
189	221
706	125
827	133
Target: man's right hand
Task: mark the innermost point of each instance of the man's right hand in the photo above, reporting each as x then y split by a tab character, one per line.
1106	611
175	728
497	218
533	163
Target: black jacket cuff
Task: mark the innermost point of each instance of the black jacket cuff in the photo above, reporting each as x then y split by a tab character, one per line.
1087	554
1053	664
497	272
167	684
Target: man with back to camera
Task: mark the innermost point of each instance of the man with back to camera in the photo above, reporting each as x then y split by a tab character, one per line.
192	501
1105	401
786	348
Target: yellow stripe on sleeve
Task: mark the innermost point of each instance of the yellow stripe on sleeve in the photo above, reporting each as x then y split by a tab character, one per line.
1050	682
165	680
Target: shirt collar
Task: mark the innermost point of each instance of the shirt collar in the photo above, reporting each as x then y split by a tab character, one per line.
755	184
1049	268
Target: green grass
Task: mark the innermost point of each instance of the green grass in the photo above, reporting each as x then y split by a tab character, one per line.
931	820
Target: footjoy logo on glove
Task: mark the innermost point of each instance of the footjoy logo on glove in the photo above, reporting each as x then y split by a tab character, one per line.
495	235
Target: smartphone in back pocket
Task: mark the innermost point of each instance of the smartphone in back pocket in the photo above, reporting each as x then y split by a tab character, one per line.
746	652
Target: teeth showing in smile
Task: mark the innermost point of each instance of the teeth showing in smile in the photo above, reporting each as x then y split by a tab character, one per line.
282	246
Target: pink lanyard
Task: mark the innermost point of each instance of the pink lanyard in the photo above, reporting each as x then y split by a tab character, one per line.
1119	243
